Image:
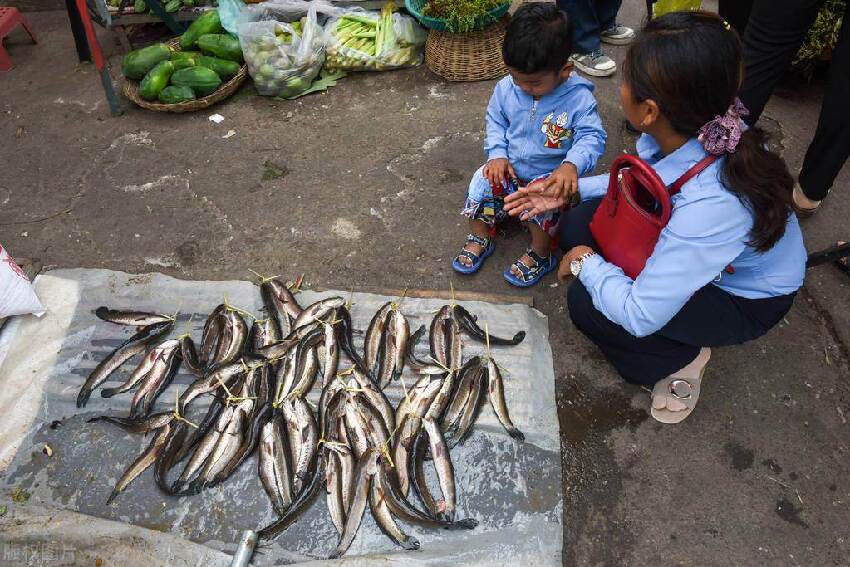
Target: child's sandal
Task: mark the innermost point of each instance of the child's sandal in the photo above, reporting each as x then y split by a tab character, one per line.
530	274
477	260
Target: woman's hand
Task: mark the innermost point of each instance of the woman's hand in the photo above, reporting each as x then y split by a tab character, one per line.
528	202
564	271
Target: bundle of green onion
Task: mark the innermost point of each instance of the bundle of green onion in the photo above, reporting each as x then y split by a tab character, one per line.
363	42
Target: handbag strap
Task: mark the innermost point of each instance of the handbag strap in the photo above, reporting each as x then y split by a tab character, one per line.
691	173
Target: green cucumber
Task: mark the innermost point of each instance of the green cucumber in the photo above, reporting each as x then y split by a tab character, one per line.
221	45
173	94
139	6
173	6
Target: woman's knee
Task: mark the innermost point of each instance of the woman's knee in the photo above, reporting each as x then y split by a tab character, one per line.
580	305
575	226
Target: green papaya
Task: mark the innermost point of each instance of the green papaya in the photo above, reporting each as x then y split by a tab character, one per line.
137	63
208	22
173	94
139	6
177	55
156	80
189	3
222	67
184	63
202	80
221	45
173	6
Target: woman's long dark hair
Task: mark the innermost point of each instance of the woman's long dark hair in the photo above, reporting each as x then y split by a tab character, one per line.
689	63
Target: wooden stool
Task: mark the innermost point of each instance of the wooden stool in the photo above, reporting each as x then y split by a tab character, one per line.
10	18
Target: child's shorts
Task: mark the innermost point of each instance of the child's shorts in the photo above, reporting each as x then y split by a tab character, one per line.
485	204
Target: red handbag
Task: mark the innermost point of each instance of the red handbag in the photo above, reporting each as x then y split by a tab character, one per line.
634	211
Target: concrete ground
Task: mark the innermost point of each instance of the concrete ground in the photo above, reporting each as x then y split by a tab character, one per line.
360	187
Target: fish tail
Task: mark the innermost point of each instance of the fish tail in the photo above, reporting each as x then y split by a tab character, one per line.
83	397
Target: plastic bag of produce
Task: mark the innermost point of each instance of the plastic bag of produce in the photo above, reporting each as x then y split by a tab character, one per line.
358	40
17	296
283	58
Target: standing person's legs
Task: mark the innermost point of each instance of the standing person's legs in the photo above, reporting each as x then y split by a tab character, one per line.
606	13
830	147
585	24
774	33
736	12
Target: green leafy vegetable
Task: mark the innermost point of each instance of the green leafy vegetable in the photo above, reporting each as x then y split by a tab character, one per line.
460	15
324	81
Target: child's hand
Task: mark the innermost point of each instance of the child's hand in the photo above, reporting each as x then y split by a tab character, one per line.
497	171
562	183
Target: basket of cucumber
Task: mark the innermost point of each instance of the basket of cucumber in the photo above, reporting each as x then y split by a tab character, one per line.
191	72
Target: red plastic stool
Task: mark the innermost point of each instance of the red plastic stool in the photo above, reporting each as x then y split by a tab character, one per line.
10	18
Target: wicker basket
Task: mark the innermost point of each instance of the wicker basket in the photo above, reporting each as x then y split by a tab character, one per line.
131	91
475	56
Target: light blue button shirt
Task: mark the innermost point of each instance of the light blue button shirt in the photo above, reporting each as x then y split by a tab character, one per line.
709	229
537	136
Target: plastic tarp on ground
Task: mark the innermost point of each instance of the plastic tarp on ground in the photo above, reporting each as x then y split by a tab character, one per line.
513	489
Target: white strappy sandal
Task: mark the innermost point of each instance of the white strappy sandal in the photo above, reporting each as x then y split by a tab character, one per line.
675	397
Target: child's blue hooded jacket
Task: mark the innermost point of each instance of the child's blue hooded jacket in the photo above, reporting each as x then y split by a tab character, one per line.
538	135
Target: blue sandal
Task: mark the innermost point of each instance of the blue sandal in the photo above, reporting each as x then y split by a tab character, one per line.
531	274
476	259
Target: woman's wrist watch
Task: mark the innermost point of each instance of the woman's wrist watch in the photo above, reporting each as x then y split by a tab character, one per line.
575	265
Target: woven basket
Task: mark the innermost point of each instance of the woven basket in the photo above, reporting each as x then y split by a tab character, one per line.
131	91
475	56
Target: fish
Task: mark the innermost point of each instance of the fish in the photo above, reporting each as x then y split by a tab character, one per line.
416	467
454	356
437	336
330	360
132	318
249	443
496	395
374	336
345	333
142	462
376	397
303	435
142	370
281	304
273	463
396	335
226	447
333	491
204	449
264	332
285	375
159	377
366	468
468	323
233	339
444	468
465	385
356	428
228	375
145	425
347	464
412	360
458	433
169	454
300	504
447	390
213	411
406	511
384	518
190	356
317	311
403	448
306	364
211	335
127	350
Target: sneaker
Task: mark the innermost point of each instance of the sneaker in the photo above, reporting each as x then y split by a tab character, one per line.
618	35
596	64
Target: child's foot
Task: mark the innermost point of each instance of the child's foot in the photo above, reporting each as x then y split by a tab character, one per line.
474	252
530	267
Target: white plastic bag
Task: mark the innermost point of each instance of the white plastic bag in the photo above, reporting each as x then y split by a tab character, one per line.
358	40
17	296
283	58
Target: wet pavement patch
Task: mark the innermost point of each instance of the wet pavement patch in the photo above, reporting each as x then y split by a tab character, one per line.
742	458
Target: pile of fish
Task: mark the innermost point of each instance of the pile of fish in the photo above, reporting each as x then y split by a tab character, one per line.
353	445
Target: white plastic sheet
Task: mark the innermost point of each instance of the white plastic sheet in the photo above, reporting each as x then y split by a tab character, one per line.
513	489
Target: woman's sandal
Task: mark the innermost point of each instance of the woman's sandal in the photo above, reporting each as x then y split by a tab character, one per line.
530	274
674	397
476	259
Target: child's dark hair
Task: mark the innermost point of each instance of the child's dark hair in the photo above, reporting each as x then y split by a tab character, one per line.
539	38
689	63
